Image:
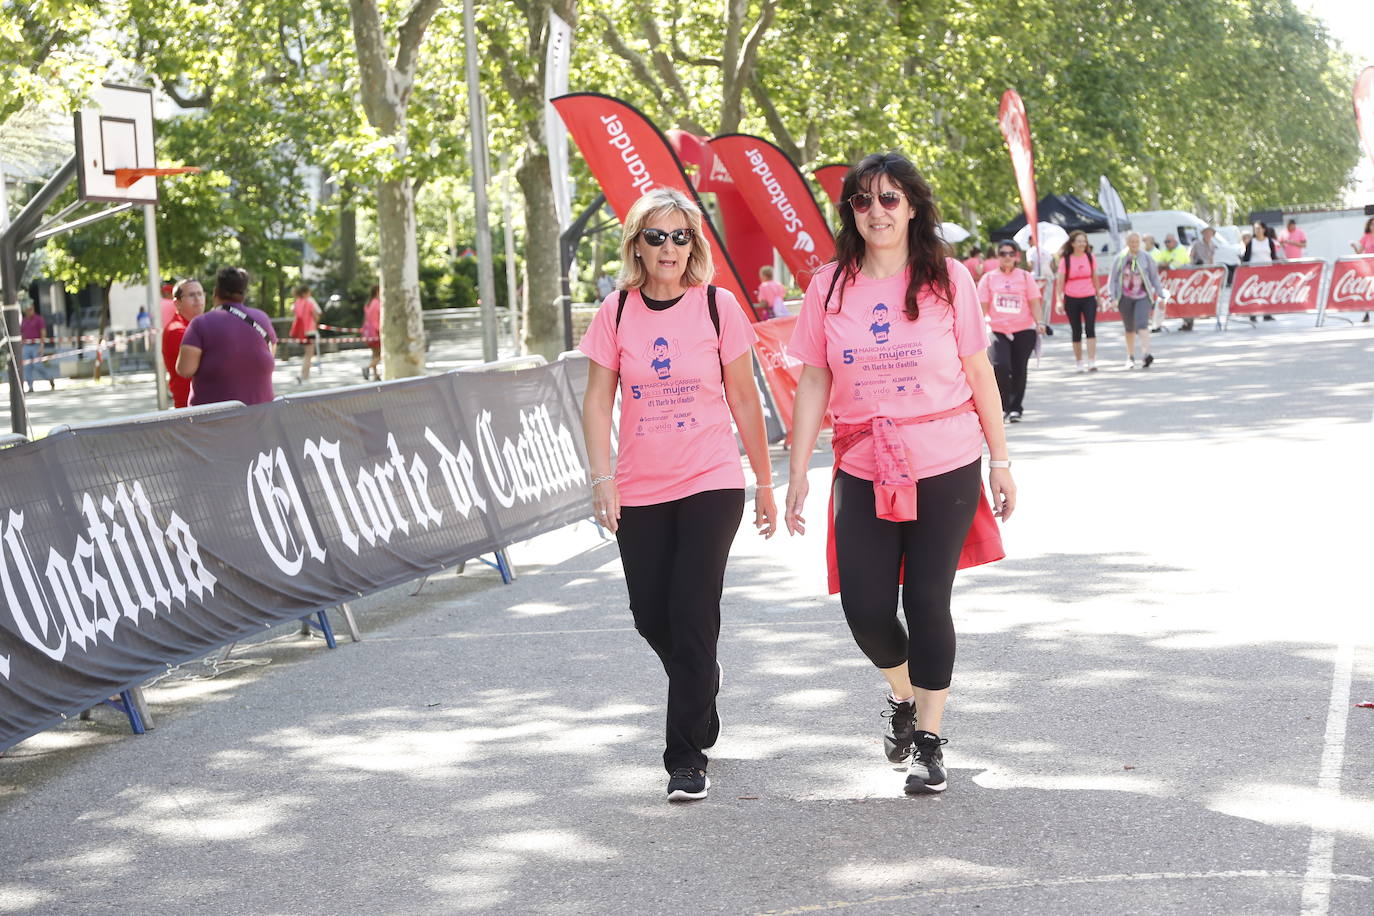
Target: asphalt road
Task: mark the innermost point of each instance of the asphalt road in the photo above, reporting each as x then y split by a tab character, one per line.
1152	707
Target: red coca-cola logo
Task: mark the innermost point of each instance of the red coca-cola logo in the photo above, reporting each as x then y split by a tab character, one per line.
1293	288
1353	286
1195	287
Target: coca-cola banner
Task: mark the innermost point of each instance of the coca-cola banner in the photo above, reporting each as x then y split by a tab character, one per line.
629	156
777	194
1194	292
126	549
1011	117
1272	289
1352	285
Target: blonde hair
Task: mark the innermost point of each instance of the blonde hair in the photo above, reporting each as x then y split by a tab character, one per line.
656	203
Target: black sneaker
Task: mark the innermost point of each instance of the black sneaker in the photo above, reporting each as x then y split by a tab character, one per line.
926	772
713	727
1016	416
901	729
1149	358
687	784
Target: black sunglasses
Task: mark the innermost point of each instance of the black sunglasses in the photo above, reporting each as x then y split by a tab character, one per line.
656	237
863	200
1006	253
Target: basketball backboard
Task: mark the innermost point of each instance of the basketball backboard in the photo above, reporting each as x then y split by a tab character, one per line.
115	131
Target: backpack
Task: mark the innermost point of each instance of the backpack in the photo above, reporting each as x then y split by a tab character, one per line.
710	307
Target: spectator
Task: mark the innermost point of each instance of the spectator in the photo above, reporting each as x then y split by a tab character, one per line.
189	297
1172	254
1365	245
227	352
145	321
33	329
167	304
305	327
771	295
372	330
1011	300
1261	249
1293	240
1202	253
1133	278
974	262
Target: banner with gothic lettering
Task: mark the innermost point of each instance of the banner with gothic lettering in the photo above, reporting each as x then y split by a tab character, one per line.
126	549
1352	285
1275	289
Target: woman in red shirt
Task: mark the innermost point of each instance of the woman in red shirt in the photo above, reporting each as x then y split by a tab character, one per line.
892	340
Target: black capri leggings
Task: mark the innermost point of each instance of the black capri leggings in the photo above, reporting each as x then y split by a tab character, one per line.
674	556
870	552
1082	312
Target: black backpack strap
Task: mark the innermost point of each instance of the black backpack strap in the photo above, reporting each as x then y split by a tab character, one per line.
620	310
711	307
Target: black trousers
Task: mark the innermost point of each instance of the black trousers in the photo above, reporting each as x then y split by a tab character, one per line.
674	555
1082	313
1011	356
870	552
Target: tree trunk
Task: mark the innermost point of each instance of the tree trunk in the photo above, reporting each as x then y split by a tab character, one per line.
348	234
403	328
543	324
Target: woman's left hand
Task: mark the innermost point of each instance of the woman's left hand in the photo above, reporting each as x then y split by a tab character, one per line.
1003	492
765	512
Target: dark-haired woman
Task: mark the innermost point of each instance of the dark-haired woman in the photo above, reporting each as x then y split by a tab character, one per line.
1011	300
1262	248
893	342
974	262
1077	297
1365	245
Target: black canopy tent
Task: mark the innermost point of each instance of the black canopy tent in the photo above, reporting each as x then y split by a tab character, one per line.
1067	210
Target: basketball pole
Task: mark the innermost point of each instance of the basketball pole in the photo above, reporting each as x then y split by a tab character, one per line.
155	302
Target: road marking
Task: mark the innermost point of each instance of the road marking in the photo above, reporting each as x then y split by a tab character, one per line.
1063	882
1316	886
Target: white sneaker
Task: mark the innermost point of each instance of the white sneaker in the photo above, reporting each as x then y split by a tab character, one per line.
1092	365
1130	364
1078	367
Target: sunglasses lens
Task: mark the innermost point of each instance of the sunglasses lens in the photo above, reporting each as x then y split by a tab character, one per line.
861	202
682	237
890	199
654	237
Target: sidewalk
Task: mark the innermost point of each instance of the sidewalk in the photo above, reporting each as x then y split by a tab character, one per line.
1152	706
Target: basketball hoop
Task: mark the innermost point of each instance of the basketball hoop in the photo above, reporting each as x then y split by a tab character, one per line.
125	178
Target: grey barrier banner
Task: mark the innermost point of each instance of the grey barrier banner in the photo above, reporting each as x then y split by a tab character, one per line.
126	549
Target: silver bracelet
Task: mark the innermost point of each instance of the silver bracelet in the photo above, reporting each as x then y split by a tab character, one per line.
763	486
995	463
604	479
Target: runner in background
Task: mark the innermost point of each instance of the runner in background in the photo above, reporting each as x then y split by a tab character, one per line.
1076	295
676	495
1133	279
1365	245
1011	301
989	260
32	330
306	327
892	338
189	297
372	330
974	262
771	295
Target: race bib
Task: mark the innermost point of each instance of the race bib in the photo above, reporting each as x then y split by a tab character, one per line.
1006	304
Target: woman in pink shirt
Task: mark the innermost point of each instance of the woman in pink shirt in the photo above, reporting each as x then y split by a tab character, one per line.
974	262
1077	293
305	327
679	352
1011	300
1365	246
372	330
892	341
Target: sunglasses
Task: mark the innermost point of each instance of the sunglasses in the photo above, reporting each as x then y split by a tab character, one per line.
1006	254
656	237
863	200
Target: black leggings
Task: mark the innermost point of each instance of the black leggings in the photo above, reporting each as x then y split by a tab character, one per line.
1011	357
870	552
674	556
1082	312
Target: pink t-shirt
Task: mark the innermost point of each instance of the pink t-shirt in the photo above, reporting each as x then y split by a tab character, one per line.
989	265
1367	243
974	265
1080	283
1007	298
1292	251
675	437
307	317
771	292
372	319
885	365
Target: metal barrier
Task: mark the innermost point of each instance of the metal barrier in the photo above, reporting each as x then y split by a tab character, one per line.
154	416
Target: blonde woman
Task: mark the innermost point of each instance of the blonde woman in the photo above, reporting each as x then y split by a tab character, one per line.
679	350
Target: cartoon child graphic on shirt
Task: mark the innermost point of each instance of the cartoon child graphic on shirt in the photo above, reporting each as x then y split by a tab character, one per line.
660	358
880	327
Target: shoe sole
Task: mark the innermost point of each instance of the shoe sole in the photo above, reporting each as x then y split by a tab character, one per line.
680	795
921	788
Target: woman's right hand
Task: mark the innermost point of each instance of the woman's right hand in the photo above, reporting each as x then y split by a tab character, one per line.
606	505
797	487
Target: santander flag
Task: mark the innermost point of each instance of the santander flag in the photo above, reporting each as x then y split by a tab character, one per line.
831	179
1364	109
780	200
628	156
1016	129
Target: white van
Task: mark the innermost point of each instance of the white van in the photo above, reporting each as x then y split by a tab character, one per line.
1185	226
